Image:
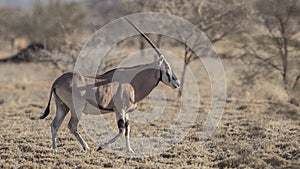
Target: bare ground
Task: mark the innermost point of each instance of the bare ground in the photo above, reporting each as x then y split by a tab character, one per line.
251	134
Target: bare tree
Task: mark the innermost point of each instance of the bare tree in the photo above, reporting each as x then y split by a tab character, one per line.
217	20
275	43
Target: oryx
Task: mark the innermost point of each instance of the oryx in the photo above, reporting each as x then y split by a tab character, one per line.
118	90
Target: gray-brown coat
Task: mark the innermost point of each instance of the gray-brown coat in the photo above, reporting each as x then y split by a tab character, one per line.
118	90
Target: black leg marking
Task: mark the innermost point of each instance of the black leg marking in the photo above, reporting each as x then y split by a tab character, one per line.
126	127
121	125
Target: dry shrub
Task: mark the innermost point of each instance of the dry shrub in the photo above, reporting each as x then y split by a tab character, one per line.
270	89
52	24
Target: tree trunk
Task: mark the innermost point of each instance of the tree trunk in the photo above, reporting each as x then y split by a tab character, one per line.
285	64
182	80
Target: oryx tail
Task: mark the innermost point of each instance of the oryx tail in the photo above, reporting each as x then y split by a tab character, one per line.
47	110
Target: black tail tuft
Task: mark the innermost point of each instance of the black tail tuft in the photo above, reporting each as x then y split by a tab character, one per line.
47	110
46	113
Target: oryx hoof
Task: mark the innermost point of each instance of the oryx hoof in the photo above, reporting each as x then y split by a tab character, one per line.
130	151
87	149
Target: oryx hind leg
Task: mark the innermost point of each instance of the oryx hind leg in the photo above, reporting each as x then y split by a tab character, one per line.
72	125
61	112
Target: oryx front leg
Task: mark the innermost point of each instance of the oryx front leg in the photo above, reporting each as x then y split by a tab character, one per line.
127	131
121	126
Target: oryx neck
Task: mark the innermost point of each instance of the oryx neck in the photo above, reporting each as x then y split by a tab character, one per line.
144	82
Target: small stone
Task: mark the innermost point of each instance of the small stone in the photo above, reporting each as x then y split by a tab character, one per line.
242	107
107	165
294	101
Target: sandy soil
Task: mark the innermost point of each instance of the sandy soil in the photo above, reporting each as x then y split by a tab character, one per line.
251	134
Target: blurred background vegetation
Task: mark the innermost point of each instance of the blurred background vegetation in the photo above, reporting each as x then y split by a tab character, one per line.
261	39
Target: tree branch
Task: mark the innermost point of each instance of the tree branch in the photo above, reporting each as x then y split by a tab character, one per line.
296	81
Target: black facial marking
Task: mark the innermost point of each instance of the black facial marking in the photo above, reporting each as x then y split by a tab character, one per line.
166	71
168	75
169	78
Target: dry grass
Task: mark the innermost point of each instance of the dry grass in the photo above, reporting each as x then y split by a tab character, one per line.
252	134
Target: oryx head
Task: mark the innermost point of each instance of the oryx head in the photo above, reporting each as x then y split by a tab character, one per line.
167	76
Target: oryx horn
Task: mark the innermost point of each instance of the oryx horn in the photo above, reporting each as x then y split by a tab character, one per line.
146	37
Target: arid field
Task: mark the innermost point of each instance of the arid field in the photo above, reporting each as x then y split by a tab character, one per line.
245	54
251	133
